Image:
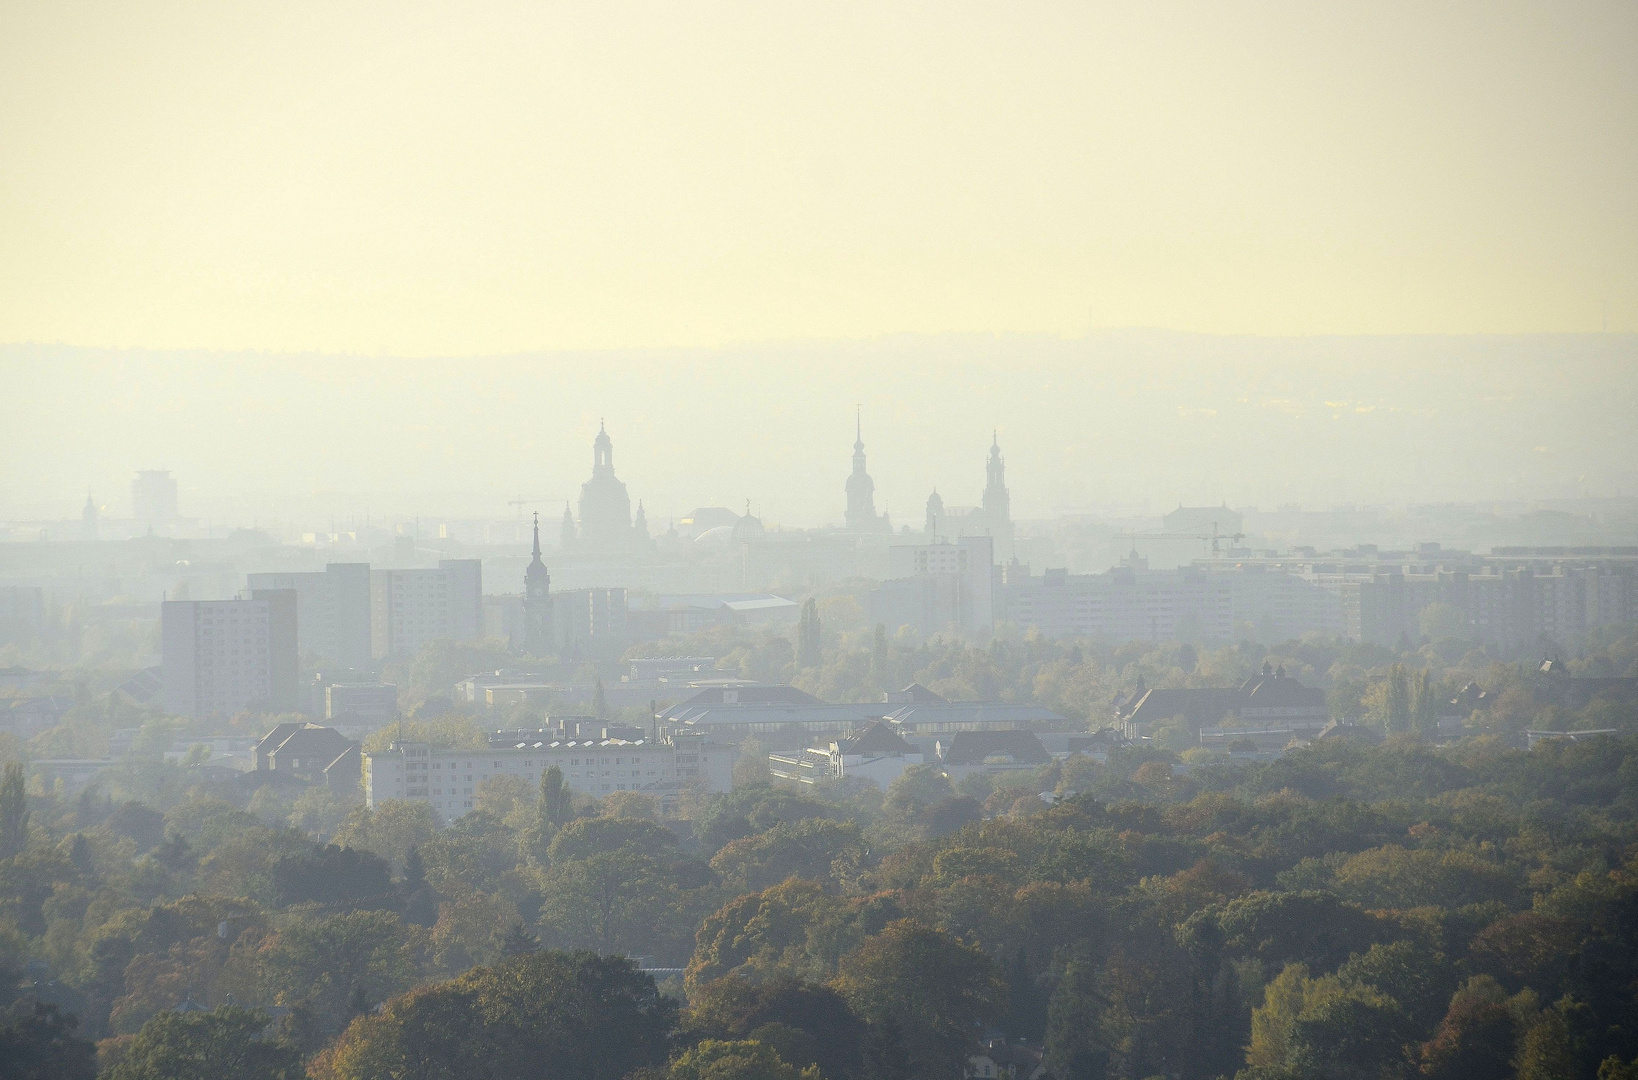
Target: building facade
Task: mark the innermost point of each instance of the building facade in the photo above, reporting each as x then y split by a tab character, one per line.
1124	604
221	657
361	703
332	610
448	780
939	588
153	499
410	608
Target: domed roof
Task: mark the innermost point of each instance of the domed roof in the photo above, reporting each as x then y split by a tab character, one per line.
747	529
721	536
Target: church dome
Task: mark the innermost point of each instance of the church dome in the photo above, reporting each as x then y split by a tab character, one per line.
747	529
721	536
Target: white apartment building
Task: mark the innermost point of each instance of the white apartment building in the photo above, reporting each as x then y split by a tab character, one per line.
1126	604
410	608
220	657
332	610
448	780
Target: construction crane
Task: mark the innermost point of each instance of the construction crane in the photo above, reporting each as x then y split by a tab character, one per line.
519	503
1214	537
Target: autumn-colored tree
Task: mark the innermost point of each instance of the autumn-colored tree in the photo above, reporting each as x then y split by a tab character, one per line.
13	811
226	1044
793	928
589	1017
744	1059
940	993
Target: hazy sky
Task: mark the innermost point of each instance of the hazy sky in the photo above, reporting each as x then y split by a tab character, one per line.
724	226
1115	420
469	179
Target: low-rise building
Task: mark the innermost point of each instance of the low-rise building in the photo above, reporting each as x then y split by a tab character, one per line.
991	752
310	752
448	780
1269	701
780	716
361	703
878	754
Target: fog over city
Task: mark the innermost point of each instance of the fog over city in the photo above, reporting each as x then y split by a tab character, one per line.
860	541
1129	423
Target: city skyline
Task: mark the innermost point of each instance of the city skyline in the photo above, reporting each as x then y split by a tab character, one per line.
1137	422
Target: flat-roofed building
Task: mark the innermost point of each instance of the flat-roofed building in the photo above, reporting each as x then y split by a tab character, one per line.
781	716
332	610
411	608
448	780
361	703
1124	604
220	657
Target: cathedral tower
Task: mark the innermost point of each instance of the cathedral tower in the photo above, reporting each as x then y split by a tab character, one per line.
861	491
605	508
997	502
537	603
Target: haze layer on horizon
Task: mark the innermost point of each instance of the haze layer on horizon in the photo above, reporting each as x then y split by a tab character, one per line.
1115	423
422	179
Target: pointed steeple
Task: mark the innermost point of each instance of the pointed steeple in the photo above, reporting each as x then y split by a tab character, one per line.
537	602
861	508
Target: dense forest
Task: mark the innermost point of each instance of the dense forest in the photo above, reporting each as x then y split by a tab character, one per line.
1351	909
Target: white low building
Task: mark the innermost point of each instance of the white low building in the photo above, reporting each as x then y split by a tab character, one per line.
877	754
448	780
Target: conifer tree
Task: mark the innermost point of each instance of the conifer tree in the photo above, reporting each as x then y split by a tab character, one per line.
878	656
13	812
1397	706
1424	705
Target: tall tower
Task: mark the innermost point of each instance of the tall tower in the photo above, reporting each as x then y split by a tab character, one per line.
537	603
861	489
935	515
997	502
88	518
605	508
568	536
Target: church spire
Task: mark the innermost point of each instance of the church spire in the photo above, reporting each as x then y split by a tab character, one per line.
537	603
568	527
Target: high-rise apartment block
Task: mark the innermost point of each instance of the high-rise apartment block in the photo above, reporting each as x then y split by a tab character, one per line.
153	498
332	610
410	608
940	588
221	657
